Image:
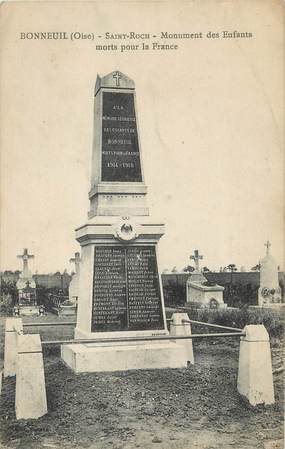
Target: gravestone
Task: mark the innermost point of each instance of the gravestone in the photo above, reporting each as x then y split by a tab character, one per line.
120	291
26	286
200	292
67	306
269	292
73	290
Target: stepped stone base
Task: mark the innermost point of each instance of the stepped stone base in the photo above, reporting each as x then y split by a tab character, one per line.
65	310
269	307
95	357
29	310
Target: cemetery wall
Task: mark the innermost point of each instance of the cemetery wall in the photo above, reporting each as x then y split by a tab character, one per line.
55	280
244	286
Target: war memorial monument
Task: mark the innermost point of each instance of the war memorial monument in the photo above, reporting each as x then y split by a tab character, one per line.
120	290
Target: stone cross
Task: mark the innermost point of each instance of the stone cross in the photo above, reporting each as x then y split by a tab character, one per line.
196	257
25	258
76	260
267	244
117	77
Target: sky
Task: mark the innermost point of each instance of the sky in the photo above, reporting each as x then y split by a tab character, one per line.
211	124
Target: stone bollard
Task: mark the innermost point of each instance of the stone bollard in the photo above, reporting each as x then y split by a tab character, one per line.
177	327
30	399
13	327
255	379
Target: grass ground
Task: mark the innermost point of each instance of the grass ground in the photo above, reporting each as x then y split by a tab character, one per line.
198	407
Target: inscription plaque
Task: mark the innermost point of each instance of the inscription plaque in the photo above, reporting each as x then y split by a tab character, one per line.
126	290
120	147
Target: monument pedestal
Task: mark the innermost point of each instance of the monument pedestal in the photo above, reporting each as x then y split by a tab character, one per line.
29	310
66	310
120	295
93	357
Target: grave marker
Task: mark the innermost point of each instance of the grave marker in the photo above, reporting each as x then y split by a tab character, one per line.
196	257
269	292
199	292
26	287
73	291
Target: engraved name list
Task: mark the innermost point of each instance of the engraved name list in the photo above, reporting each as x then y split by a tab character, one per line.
126	293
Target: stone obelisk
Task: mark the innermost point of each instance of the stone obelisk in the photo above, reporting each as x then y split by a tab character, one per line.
120	291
